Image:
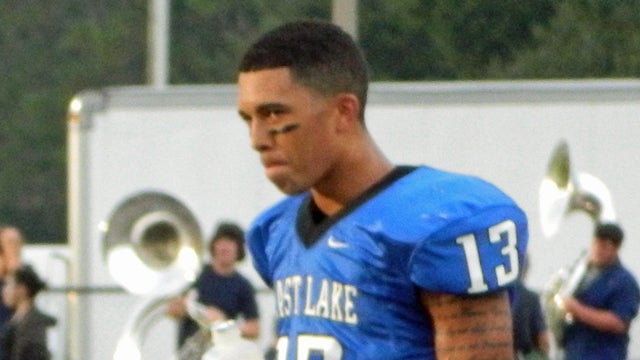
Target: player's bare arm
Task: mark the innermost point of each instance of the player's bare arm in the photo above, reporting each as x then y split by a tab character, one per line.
466	327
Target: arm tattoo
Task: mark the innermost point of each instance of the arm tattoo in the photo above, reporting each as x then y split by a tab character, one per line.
471	327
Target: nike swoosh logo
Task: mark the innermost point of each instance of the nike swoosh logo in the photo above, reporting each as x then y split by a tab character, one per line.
333	243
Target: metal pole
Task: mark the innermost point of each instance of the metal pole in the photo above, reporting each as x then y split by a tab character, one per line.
344	13
158	39
74	165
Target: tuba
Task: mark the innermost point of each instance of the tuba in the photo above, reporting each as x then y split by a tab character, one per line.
562	192
152	246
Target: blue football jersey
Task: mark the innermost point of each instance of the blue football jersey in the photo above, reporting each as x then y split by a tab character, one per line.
352	293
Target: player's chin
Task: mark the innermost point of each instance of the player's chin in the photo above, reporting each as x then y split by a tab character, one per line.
287	184
291	190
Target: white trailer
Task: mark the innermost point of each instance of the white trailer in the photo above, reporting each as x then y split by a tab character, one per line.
189	143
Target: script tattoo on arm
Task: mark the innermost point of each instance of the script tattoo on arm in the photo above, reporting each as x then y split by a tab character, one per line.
466	327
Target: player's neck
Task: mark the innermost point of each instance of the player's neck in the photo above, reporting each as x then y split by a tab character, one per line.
350	179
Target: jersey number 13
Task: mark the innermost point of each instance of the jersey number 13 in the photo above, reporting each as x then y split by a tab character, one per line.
504	274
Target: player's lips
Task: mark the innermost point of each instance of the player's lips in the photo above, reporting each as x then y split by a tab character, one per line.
271	163
274	169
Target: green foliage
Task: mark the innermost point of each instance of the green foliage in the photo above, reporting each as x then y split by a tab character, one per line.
52	50
443	39
209	37
587	38
481	32
399	42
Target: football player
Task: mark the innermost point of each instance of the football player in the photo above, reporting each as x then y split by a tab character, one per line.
367	259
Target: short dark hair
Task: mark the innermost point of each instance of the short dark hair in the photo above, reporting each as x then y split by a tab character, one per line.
609	231
229	230
27	276
320	55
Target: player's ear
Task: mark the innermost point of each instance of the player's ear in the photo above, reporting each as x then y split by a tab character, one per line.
348	109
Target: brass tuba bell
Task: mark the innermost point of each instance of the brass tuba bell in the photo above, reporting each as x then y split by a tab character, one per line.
562	192
152	243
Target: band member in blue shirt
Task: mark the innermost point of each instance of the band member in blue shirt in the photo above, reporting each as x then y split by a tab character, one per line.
604	304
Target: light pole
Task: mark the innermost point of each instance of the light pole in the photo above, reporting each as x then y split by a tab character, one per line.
344	13
158	39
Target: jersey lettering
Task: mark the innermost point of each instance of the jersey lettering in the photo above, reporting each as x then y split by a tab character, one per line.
296	295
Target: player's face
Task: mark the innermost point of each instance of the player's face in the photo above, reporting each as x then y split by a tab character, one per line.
603	252
291	127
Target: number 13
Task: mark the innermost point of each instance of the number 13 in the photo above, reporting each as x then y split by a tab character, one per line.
503	275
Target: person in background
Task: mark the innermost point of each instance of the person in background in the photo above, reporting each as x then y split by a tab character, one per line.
24	336
224	292
11	242
367	259
530	334
604	304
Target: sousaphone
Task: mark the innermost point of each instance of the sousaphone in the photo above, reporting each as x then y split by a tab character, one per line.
562	192
152	248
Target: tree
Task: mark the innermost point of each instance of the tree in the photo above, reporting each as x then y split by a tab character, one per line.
398	41
587	38
50	51
443	39
209	37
